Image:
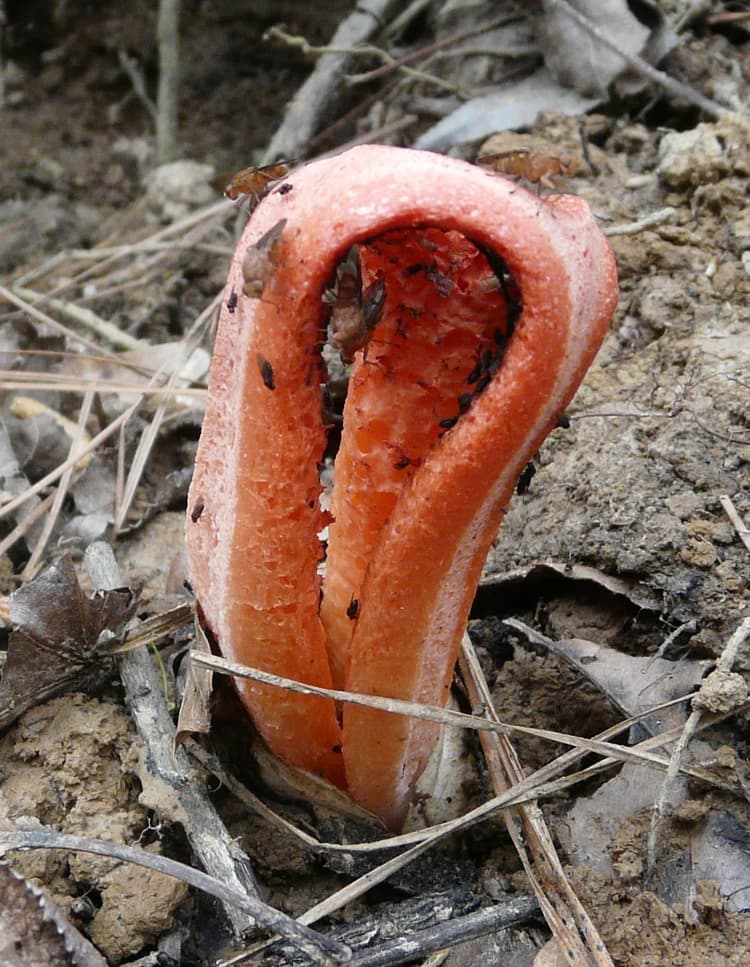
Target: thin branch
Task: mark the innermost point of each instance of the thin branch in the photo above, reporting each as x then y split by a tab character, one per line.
362	50
432	713
147	439
311	101
167	98
55	474
317	946
57	327
395	63
135	75
84	317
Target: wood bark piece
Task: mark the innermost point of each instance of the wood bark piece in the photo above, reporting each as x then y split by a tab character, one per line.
421	481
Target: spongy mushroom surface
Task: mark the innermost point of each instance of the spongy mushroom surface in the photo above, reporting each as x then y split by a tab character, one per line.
412	555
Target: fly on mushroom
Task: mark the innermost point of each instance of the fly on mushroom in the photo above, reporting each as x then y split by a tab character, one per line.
260	260
256	182
539	164
356	311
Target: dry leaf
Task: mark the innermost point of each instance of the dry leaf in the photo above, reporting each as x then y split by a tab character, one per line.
578	60
195	710
512	105
54	645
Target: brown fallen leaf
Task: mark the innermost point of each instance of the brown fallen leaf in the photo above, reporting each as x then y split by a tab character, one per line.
55	643
195	709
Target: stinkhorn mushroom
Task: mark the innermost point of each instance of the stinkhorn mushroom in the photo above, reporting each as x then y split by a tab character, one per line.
479	308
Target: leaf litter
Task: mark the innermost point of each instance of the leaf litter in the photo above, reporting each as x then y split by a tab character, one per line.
54	644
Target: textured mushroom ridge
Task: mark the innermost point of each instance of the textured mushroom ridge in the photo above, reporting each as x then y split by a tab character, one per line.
494	302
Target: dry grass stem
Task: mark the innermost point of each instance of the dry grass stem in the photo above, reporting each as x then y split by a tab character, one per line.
146	442
55	474
76	446
85	318
47	320
577	938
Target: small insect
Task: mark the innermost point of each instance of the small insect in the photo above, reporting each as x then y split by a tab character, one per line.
373	302
256	182
232	301
539	164
352	611
356	311
266	372
524	481
284	189
198	508
260	260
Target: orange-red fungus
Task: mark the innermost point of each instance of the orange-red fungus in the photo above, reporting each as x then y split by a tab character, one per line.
481	306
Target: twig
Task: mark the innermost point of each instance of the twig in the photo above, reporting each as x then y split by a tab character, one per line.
50	381
316	945
532	787
187	229
168	35
135	75
57	327
577	938
669	84
170	767
378	135
84	317
686	628
648	221
360	50
724	663
395	63
312	99
25	524
733	514
445	935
